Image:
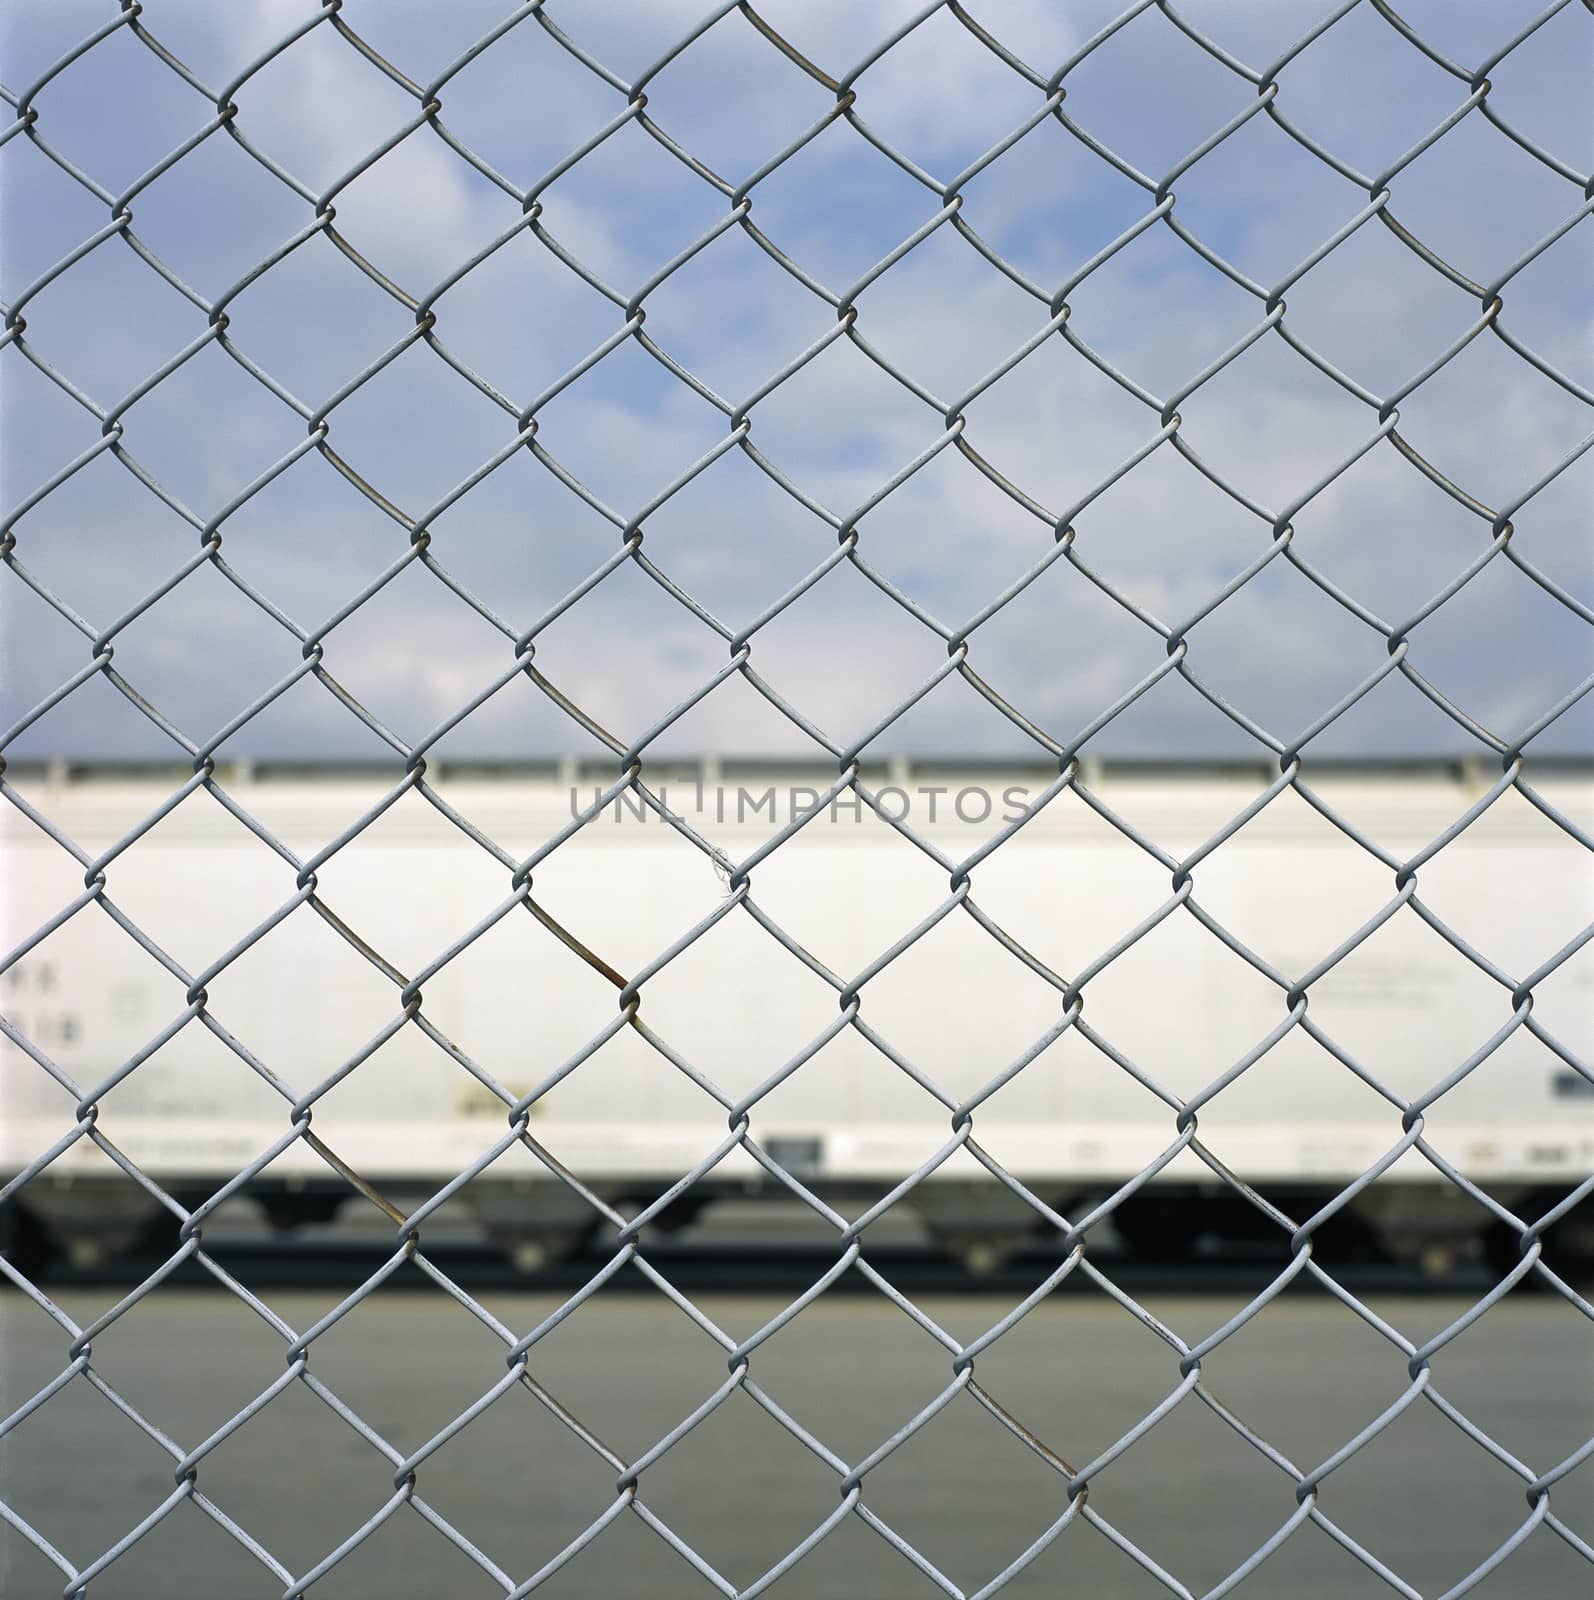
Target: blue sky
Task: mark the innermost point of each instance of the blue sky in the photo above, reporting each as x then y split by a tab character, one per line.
845	653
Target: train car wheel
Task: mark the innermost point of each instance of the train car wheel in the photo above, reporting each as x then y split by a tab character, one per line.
980	1253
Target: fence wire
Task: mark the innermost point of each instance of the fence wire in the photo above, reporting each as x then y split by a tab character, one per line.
840	95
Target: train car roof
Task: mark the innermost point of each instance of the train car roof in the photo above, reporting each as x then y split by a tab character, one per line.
719	769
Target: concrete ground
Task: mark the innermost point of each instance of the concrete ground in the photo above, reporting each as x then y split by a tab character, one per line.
1079	1371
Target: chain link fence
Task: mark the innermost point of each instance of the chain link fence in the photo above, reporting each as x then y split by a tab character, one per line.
839	98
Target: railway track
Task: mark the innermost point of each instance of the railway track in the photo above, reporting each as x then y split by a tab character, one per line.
265	1261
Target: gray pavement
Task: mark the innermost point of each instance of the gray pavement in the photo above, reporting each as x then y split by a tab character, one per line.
1079	1371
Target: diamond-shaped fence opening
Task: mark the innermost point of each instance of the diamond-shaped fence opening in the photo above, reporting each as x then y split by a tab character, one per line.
680	682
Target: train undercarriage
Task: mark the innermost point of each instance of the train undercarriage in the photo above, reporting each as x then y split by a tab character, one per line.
538	1226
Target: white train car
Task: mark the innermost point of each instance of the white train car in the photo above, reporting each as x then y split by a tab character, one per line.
409	1096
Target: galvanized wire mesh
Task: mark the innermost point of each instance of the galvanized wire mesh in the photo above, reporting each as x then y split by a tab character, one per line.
840	95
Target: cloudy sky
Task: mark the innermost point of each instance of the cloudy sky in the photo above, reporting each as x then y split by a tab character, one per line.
949	539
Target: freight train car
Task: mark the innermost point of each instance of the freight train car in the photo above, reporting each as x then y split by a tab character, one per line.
415	991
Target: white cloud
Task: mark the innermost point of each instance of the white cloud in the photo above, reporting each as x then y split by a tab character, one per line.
948	538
